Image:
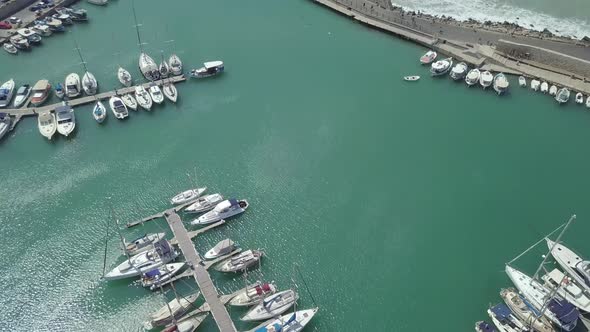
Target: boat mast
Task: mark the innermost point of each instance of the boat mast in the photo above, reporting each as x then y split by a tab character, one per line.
106	240
80	55
137	27
119	232
572	218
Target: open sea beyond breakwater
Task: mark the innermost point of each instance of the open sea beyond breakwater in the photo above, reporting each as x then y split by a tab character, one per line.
399	201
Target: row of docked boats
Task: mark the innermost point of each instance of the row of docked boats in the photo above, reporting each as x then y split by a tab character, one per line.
461	71
554	300
150	257
561	95
24	38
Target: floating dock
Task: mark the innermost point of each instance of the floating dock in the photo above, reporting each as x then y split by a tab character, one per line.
161	215
30	111
202	277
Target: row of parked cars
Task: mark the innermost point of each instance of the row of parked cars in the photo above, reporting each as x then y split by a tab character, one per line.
42	5
13	22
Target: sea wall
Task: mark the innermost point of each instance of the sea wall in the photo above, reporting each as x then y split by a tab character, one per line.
13	6
544	56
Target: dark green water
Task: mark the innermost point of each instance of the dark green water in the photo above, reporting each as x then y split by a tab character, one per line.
400	202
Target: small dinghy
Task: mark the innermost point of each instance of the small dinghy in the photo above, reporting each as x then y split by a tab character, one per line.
175	308
579	98
188	323
522	81
544	87
223	210
156	94
59	91
118	107
204	203
99	112
500	83
472	77
505	320
563	96
170	91
252	294
129	101
411	78
483	326
222	248
535	84
459	71
124	77
187	195
240	262
525	314
8	47
553	90
272	306
142	243
428	57
175	64
143	98
154	278
293	322
486	79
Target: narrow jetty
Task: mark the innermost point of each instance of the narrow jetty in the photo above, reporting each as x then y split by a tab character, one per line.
216	306
30	111
159	214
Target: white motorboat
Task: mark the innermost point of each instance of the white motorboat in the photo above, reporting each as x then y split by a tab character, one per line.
66	120
204	203
588	102
72	85
54	25
124	77
118	107
411	78
40	92
43	30
5	122
142	243
563	96
441	67
175	64
553	90
89	83
501	83
544	87
175	308
222	248
164	69
526	315
99	112
188	323
187	195
557	280
579	98
571	263
559	311
522	81
98	2
161	254
272	306
209	69
8	47
30	35
47	124
156	94
293	322
148	67
486	79
223	210
252	294
143	98
64	18
6	91
535	84
154	278
505	320
170	91
472	77
129	101
20	42
22	94
428	57
240	262
459	71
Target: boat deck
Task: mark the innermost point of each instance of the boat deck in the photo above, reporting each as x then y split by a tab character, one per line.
30	111
202	277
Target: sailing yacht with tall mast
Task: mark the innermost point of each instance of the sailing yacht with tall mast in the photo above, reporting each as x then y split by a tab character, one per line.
147	65
89	83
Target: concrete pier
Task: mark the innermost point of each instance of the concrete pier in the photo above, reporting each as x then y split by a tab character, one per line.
208	289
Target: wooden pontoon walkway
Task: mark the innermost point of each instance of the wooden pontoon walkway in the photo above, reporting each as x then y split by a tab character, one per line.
216	306
161	215
30	111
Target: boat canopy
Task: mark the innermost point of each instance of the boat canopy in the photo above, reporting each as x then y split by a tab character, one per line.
486	327
275	327
162	247
223	205
563	310
213	64
152	273
26	32
502	312
41	85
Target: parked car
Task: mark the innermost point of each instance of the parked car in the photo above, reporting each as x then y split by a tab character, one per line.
42	5
5	25
15	20
35	8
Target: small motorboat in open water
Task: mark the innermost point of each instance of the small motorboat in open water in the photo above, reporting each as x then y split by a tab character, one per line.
411	78
428	57
209	69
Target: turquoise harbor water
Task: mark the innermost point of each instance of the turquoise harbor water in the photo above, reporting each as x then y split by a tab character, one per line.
400	202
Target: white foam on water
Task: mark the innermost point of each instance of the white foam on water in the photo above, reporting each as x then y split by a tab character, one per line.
484	10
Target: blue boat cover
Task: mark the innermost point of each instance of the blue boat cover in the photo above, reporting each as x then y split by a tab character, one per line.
277	328
233	201
502	312
565	311
291	319
486	327
152	273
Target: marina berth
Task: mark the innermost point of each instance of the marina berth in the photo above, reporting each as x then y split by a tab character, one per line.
223	210
164	68
271	306
252	294
6	91
563	96
156	94
501	83
579	98
472	77
47	124
72	85
161	254
459	71
148	67
173	309
118	107
22	94
553	90
544	87
428	58
522	81
211	68
5	122
535	84
175	65
89	83
204	203
143	98
170	92
240	262
525	314
129	101
292	322
441	67
222	248
124	77
66	121
154	278
59	91
99	112
486	79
